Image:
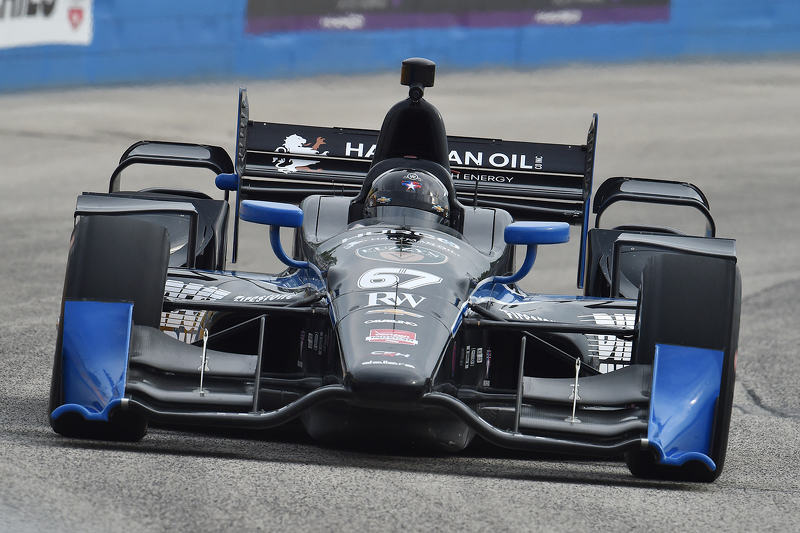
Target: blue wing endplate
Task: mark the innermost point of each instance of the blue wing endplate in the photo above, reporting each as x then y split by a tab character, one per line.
96	341
686	385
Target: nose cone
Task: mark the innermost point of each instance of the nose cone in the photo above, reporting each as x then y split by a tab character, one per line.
391	355
386	381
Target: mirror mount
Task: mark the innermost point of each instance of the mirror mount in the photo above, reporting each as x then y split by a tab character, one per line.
532	234
276	215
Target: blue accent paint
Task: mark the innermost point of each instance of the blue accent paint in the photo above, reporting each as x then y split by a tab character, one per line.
584	240
275	241
586	206
242	117
686	385
299	278
271	213
537	233
227	182
87	414
152	41
530	257
95	346
501	293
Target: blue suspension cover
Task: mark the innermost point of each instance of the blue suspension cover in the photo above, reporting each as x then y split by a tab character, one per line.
686	385
95	347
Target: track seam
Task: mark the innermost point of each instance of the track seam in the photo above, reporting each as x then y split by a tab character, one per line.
760	403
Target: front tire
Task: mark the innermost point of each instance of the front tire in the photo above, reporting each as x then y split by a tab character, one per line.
693	301
111	259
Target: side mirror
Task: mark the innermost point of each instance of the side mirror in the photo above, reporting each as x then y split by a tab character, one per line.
532	234
271	213
275	215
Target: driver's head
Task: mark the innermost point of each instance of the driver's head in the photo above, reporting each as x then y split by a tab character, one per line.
405	188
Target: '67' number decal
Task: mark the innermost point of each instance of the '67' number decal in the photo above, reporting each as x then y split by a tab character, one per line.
402	278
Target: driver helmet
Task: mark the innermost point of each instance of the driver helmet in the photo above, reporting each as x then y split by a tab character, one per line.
408	188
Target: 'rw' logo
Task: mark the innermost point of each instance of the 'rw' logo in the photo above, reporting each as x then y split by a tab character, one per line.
390	298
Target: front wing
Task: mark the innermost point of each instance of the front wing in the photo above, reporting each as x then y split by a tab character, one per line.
110	364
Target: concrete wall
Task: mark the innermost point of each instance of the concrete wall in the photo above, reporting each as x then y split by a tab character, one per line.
153	41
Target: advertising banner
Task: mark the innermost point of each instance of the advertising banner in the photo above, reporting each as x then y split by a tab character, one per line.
268	16
39	22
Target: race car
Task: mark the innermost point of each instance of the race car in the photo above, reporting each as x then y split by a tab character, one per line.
400	317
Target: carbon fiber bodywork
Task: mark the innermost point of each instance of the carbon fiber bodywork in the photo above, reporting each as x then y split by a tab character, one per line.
400	329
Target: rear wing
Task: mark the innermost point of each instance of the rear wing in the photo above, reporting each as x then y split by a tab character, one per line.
532	181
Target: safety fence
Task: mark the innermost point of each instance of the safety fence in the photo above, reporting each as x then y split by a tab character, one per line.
57	43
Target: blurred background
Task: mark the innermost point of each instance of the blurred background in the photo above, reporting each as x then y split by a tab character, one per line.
60	43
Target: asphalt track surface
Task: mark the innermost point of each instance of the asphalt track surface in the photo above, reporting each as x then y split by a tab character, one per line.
731	128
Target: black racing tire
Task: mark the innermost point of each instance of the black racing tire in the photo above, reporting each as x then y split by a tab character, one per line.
112	259
690	300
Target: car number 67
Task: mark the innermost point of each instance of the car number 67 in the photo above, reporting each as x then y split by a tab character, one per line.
378	278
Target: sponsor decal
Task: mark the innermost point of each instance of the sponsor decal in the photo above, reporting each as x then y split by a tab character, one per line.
353	21
192	291
564	17
358	150
401	312
392	336
185	324
448	243
472	357
263	298
465	357
497	160
461	359
393	299
391	321
399	234
266	17
387	362
75	17
402	254
481	177
42	22
350	245
295	144
381	353
448	249
486	381
524	316
479	356
613	352
379	278
412	185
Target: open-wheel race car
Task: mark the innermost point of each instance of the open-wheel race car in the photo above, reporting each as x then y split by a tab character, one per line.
399	316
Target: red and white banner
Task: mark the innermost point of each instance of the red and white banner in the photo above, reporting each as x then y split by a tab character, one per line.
392	336
39	22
